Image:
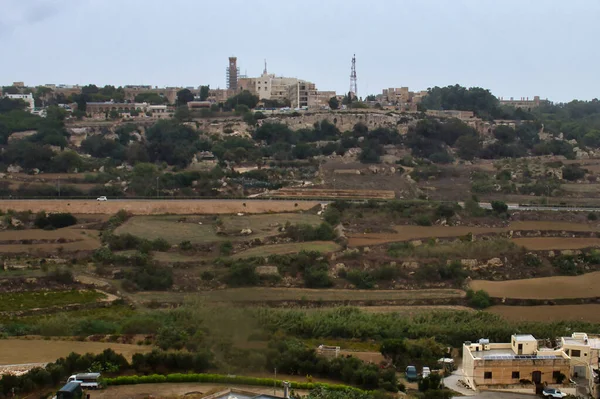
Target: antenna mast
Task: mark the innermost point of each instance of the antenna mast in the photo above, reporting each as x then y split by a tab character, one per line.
353	85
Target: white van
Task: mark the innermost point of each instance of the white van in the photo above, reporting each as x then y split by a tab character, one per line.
86	380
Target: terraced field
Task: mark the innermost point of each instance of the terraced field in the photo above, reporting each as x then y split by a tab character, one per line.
559	287
198	230
292	248
556	243
264	294
588	312
43	241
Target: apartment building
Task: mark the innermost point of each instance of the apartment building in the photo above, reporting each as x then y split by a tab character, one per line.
486	364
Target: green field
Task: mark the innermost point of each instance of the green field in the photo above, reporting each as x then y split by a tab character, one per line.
292	248
175	229
15	301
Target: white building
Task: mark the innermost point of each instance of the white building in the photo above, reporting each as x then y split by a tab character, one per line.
28	98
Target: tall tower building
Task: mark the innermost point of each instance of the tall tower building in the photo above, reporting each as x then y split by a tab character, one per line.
232	74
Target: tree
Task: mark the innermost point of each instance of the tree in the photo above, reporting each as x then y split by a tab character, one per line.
479	299
505	134
468	147
573	172
499	206
244	98
334	103
370	97
151	98
204	91
183	114
184	96
10	90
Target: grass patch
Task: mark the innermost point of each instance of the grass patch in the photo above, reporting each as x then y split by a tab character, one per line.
457	249
174	257
292	248
171	229
15	301
168	227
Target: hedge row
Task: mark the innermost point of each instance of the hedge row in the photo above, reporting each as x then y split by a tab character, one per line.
222	379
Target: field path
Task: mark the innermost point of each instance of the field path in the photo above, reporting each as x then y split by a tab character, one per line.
558	287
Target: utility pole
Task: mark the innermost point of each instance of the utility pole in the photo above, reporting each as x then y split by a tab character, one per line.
58	186
157	187
275	383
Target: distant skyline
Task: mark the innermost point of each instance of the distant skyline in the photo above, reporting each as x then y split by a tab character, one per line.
515	48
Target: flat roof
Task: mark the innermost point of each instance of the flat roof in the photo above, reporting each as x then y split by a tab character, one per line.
525	338
508	354
592	342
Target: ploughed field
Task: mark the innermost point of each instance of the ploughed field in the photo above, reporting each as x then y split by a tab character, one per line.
19	351
35	240
558	287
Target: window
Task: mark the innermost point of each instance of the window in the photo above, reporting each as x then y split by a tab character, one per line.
487	375
556	375
575	353
516	375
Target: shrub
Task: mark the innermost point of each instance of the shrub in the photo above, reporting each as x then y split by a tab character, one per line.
423	220
185	245
573	172
161	245
499	207
479	299
152	277
332	216
317	276
592	216
445	211
361	279
54	220
242	274
226	248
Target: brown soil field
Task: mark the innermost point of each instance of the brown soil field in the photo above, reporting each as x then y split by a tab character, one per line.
551	226
334	194
77	240
589	313
558	287
158	207
292	248
406	233
558	243
264	294
18	351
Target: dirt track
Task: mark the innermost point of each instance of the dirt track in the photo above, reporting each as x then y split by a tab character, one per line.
157	207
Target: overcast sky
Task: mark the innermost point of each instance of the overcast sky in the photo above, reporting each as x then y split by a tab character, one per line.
517	48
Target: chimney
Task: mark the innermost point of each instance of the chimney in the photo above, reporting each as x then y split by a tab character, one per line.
286	389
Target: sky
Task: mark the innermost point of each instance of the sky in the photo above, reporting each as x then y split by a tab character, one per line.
515	48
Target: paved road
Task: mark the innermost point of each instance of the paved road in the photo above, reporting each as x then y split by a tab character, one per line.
497	395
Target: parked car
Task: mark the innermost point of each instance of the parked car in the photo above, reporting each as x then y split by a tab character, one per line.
426	372
553	393
103	198
411	373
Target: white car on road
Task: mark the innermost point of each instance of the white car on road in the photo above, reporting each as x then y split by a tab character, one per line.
553	393
103	198
426	372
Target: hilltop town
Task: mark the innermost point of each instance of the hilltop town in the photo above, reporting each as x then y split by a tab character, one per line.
192	240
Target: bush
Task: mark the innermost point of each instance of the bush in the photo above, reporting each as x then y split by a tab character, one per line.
152	277
185	245
592	216
499	207
226	248
573	172
161	245
423	220
306	232
479	299
361	279
54	220
242	274
332	215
